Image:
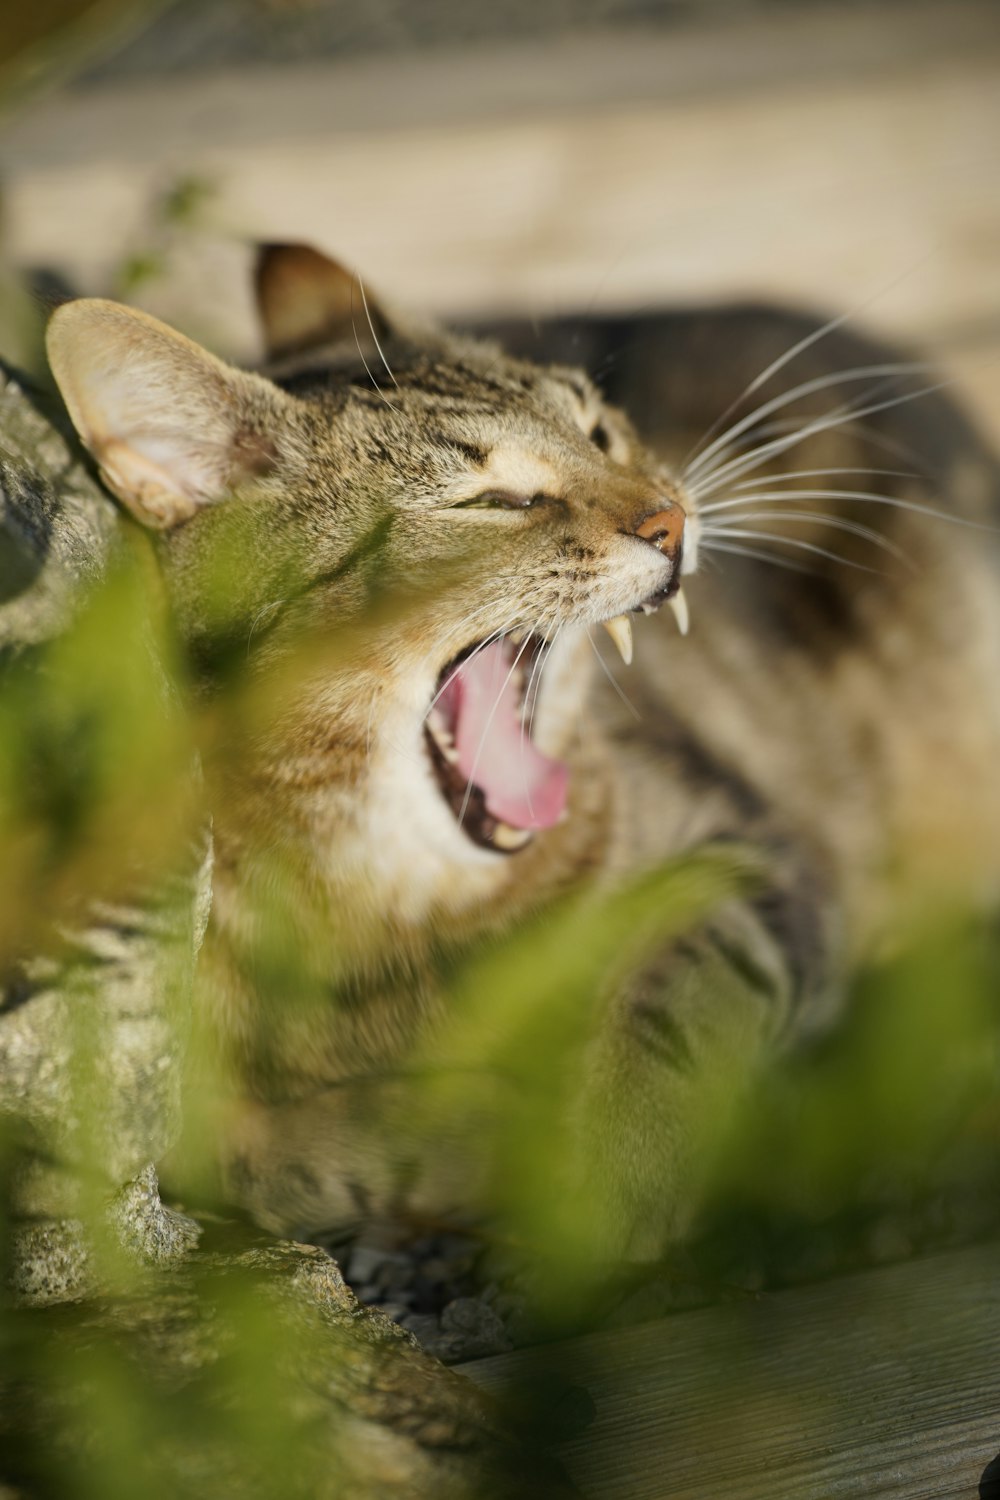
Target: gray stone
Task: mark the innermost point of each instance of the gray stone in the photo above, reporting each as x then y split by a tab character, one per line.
473	1322
53	1260
425	1327
94	1020
363	1411
57	528
145	1228
395	1310
395	1274
365	1262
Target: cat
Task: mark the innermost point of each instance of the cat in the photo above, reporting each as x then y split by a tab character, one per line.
819	688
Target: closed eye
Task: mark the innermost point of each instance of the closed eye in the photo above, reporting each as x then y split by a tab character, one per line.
600	437
500	500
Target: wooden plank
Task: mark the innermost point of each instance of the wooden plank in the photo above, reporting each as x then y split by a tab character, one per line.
762	51
884	1385
829	186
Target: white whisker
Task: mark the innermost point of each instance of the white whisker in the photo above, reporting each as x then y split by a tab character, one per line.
814	517
265	609
486	729
869	497
528	710
364	361
757	456
796	349
378	346
807	388
869	435
844	413
760	556
612	678
788	541
535	676
494	635
746	484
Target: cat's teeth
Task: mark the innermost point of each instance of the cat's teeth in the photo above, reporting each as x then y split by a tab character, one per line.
517	637
679	605
508	838
442	737
620	631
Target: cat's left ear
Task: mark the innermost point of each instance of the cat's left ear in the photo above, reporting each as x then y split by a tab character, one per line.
307	300
172	427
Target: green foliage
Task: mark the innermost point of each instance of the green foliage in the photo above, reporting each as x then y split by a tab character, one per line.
172	1424
95	761
175	213
522	1017
97	732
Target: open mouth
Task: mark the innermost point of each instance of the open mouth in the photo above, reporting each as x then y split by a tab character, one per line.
501	787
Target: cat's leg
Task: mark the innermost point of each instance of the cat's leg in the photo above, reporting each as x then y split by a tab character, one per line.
364	1150
681	1041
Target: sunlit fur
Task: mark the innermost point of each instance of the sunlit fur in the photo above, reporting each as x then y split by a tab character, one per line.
845	724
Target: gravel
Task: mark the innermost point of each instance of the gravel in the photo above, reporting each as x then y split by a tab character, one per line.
463	1297
436	1287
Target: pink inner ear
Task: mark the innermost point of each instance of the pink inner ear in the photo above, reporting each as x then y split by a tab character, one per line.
165	419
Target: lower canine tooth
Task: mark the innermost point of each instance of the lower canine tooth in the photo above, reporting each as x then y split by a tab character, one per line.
620	631
509	838
679	605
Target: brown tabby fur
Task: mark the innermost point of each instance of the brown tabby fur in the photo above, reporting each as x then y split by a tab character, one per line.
844	722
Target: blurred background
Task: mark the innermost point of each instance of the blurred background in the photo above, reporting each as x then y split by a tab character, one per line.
514	157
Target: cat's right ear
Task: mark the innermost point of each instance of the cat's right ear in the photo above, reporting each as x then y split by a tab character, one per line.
307	300
171	427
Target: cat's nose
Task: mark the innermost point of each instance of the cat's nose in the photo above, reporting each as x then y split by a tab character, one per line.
664	529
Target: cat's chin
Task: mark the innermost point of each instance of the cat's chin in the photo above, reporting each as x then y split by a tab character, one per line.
502	789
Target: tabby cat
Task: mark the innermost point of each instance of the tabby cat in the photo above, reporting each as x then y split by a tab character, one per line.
442	769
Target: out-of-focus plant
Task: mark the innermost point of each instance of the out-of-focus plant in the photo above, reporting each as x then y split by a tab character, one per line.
44	44
883	1137
97	730
176	212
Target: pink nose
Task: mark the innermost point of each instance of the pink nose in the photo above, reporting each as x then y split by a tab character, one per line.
664	530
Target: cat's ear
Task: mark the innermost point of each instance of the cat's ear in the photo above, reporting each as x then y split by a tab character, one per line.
171	427
307	300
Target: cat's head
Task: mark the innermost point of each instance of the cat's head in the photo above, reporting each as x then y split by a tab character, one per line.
458	520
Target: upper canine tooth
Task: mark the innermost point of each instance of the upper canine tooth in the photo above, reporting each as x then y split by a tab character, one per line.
620	631
679	605
442	737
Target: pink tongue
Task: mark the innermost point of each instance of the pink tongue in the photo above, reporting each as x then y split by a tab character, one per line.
521	785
